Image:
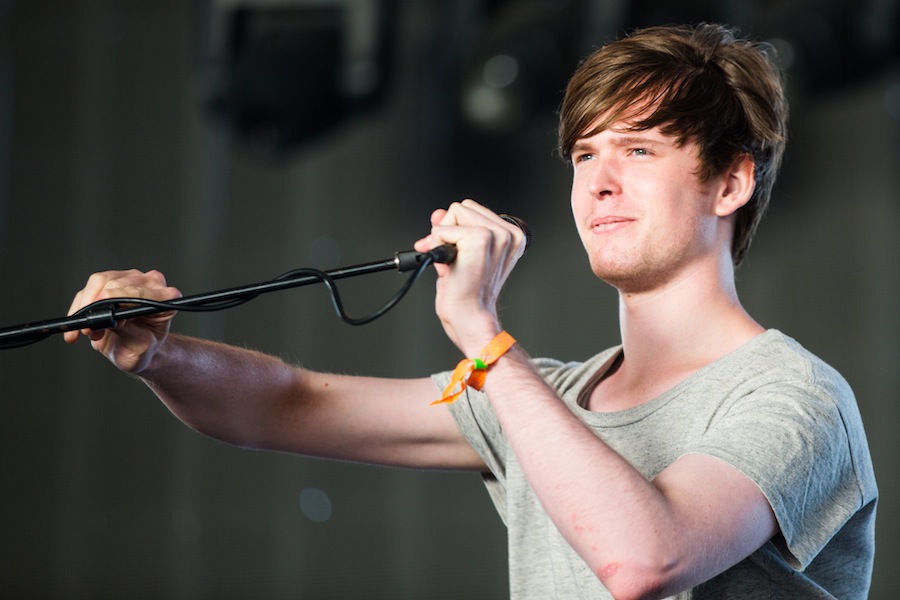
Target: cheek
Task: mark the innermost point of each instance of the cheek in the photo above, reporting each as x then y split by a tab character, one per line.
577	205
581	215
577	221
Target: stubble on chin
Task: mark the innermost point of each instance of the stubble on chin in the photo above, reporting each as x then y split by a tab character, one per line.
630	273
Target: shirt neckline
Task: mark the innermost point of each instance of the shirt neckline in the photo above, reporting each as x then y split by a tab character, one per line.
581	393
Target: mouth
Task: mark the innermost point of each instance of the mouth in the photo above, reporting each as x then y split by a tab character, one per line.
609	224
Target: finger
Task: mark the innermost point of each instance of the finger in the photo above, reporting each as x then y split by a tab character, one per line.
437	216
427	243
119	284
447	228
90	290
452	225
136	284
506	237
475	208
96	284
516	231
132	284
85	296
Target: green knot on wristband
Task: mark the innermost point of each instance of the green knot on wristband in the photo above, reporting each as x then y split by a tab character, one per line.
479	365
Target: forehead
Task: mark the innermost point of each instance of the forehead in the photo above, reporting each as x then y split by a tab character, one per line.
624	117
625	133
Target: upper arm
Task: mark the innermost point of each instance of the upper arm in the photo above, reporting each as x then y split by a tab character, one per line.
722	515
373	420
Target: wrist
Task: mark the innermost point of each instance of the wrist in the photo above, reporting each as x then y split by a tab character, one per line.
474	333
161	356
472	371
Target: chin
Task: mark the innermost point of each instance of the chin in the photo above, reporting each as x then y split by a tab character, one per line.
630	278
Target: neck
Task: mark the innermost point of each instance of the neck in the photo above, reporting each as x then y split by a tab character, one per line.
690	321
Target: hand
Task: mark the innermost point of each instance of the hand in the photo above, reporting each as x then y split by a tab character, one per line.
132	344
487	250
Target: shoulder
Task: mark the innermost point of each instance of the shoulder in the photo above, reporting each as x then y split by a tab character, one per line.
778	380
775	366
783	357
792	425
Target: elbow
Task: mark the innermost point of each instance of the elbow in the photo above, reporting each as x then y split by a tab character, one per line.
638	581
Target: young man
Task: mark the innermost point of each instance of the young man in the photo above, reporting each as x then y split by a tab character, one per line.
705	457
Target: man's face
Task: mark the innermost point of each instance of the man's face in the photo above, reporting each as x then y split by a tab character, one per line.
643	215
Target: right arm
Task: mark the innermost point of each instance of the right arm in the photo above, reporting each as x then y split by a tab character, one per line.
255	400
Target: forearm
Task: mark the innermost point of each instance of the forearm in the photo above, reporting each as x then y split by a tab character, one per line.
617	520
254	400
236	395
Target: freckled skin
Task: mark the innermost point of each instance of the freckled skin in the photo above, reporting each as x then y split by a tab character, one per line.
608	571
579	526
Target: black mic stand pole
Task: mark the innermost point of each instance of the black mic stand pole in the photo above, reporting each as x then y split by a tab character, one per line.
111	312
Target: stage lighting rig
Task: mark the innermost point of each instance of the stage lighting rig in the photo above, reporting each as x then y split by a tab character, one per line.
285	72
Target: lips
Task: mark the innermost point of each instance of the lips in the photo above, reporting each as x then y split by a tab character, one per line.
609	223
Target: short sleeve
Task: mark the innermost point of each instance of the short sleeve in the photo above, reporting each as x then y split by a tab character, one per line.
792	439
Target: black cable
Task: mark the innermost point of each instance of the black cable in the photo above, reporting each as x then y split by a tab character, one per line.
108	313
322	276
336	297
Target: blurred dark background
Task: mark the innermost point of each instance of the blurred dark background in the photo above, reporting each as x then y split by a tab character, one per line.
225	142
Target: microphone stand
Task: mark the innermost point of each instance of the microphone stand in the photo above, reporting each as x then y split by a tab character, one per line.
106	314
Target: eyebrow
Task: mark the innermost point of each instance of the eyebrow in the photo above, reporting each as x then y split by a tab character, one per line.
580	146
636	140
626	140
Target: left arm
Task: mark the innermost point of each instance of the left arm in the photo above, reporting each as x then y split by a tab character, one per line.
641	538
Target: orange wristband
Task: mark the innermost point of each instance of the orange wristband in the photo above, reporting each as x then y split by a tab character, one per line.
473	371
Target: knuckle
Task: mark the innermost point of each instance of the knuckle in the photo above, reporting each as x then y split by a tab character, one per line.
156	277
98	279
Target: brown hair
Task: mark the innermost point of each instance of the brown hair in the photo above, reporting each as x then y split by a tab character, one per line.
701	84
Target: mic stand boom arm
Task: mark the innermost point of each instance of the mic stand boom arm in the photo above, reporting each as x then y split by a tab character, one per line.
105	314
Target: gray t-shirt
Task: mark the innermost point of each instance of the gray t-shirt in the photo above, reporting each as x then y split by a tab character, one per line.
772	410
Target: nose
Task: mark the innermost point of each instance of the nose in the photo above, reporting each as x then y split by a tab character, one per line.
603	179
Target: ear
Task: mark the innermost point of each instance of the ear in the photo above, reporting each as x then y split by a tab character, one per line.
737	186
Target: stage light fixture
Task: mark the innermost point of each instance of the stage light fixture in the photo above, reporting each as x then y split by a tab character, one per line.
289	71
